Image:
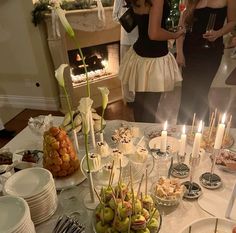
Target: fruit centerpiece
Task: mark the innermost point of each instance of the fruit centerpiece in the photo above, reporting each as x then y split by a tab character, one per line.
123	210
59	154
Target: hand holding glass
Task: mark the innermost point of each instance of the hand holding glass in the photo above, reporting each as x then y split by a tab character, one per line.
209	28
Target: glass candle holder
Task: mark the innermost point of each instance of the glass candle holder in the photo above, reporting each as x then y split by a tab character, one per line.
210	180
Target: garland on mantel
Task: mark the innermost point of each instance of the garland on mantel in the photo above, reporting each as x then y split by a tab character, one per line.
44	6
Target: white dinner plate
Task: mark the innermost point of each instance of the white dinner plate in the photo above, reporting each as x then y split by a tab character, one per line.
172	142
13	212
69	181
207	225
28	183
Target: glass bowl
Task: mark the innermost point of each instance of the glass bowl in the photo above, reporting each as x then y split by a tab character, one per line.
167	202
169	199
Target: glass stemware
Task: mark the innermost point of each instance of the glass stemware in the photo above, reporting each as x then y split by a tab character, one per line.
182	6
210	27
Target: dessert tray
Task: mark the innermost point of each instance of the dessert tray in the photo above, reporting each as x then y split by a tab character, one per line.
121	209
207	144
60	183
69	181
226	160
32	156
95	231
155	131
208	225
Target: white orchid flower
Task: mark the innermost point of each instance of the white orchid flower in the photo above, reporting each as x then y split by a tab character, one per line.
59	74
85	105
62	16
105	92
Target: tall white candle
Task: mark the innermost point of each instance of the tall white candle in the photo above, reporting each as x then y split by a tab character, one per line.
197	141
164	138
220	133
92	130
227	128
182	142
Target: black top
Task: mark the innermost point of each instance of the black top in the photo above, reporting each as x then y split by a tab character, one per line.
145	47
194	39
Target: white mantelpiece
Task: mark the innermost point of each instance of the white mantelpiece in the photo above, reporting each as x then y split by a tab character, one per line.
89	31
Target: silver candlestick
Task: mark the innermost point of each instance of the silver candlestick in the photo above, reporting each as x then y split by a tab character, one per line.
180	169
211	180
193	190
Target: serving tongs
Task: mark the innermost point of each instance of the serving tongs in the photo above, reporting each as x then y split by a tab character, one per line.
66	224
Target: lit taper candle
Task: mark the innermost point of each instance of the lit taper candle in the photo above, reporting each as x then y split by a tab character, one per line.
164	138
220	133
182	142
197	141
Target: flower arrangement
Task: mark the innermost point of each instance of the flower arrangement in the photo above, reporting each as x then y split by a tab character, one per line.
105	92
43	6
60	79
85	103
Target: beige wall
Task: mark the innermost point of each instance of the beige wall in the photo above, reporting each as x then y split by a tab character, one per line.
24	60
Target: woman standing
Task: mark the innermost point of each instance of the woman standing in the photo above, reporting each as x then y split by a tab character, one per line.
148	68
199	52
126	41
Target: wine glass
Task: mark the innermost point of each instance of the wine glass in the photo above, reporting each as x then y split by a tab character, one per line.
182	6
210	27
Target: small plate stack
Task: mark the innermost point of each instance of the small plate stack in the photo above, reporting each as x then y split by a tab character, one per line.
15	215
37	187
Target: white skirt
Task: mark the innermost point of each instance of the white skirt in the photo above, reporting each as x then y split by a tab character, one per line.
144	74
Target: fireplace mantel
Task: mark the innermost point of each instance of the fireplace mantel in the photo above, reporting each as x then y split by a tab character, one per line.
86	20
89	31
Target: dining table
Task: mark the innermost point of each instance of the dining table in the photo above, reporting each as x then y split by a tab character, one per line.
174	218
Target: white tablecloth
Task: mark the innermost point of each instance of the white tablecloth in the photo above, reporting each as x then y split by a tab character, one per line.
174	219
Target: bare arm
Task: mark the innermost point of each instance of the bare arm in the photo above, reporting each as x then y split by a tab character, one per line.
155	31
180	40
231	18
179	44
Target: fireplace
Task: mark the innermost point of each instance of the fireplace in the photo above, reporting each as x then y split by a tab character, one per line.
102	62
100	45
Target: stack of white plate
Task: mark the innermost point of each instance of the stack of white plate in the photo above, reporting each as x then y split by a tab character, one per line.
37	187
15	215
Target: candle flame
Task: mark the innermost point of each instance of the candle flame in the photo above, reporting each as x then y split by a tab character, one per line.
165	126
223	118
184	129
200	127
